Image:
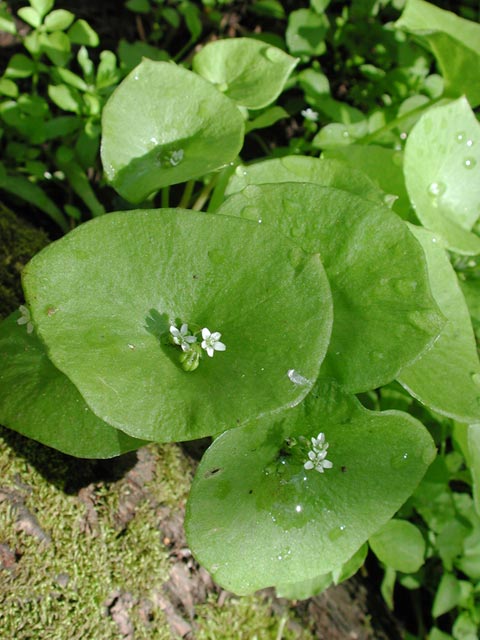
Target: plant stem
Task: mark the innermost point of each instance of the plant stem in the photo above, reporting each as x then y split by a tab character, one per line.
187	194
205	193
165	197
370	137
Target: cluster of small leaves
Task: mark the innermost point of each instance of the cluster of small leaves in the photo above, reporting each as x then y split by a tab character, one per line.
353	273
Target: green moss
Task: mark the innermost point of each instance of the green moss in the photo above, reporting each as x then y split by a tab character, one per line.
59	590
19	242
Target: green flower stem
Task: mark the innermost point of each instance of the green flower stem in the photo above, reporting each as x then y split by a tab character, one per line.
371	137
205	193
187	194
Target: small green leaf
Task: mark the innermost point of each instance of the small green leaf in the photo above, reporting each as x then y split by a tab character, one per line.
452	40
41	403
266	119
80	183
446	377
42	7
20	66
8	88
59	20
56	46
256	517
82	33
250	72
30	16
163	138
108	73
442	159
72	79
7	22
139	6
385	315
32	193
130	54
121	280
67	98
399	545
306	33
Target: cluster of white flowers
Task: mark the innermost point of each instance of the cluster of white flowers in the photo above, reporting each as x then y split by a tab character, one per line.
318	454
184	339
309	114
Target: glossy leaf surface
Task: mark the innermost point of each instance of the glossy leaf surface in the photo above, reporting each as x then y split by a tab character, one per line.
384	315
104	296
39	402
257	518
325	173
399	544
164	125
442	165
250	72
446	377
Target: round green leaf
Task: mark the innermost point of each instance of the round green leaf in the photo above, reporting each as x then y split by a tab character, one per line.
164	125
39	402
384	315
103	298
250	72
399	545
257	518
326	173
446	377
442	164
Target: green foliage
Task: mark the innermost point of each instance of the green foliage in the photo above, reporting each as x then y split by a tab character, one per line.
313	278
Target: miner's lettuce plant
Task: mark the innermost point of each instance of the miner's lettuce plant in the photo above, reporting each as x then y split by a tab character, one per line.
308	282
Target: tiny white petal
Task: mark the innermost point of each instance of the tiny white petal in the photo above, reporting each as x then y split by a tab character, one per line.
205	333
327	464
215	336
308	465
219	346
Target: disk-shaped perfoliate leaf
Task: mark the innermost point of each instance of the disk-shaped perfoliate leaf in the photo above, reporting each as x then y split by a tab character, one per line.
40	402
453	41
104	296
446	377
164	125
400	545
442	171
250	72
257	517
326	173
384	314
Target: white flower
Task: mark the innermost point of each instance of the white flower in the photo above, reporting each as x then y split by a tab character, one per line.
309	114
317	456
182	337
25	318
211	342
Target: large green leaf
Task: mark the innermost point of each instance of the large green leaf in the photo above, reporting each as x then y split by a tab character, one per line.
442	160
326	173
250	72
257	518
103	298
446	377
383	166
454	41
38	401
384	315
400	545
164	125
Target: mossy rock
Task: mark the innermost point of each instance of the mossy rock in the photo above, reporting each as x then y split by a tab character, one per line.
19	242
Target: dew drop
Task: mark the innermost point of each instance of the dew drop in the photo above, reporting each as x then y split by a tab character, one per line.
469	143
337	532
274	55
460	136
469	163
222	86
345	134
297	378
403	135
298	508
259	221
436	189
399	460
241	171
476	378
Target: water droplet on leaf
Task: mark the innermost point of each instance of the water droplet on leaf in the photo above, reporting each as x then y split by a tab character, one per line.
399	460
337	532
469	163
460	136
436	189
